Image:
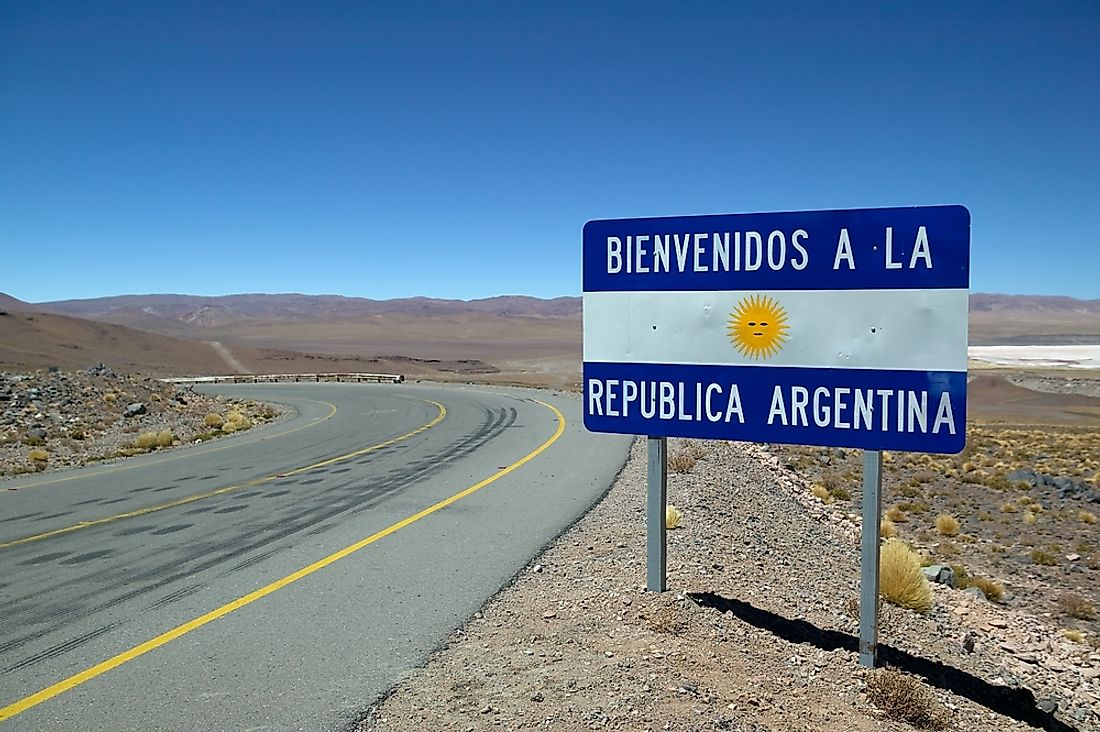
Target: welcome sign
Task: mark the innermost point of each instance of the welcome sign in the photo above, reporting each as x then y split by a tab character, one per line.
840	328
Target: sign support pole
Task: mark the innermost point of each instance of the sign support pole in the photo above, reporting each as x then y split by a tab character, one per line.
869	558
656	498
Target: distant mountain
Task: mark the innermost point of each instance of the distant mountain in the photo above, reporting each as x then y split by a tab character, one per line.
180	313
11	304
1033	320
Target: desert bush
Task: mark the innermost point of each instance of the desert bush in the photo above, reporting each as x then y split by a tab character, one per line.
896	515
1009	508
234	416
904	699
994	591
165	439
1074	635
681	462
887	529
1043	557
213	420
155	397
146	441
110	397
821	492
1086	517
1030	518
38	455
77	433
900	579
947	525
672	517
1076	606
229	427
840	493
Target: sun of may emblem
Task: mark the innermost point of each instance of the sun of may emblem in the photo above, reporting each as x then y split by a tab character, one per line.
758	326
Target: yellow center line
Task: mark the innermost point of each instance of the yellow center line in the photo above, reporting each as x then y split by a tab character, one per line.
185	453
238	486
115	661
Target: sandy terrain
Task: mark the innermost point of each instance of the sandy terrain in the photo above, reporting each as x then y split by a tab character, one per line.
1062	357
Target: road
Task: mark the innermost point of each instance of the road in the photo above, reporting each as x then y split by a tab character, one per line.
284	578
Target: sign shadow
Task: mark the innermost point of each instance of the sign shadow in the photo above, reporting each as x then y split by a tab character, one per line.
1018	704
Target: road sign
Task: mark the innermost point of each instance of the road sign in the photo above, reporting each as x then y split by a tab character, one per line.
840	328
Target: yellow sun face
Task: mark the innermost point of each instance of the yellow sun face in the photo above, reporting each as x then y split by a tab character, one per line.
758	326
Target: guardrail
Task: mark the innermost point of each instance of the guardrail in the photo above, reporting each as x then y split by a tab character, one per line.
270	378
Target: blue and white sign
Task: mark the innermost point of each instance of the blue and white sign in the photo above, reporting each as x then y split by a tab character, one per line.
840	328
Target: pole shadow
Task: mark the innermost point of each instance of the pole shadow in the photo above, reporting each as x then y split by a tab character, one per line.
1019	704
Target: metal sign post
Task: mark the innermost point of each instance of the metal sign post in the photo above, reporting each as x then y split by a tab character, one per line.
869	558
656	498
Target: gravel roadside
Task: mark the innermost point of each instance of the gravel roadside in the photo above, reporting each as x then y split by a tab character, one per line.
756	633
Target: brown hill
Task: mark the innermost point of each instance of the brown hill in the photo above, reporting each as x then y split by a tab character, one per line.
1032	320
31	340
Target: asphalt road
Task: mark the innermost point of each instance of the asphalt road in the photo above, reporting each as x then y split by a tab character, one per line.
284	578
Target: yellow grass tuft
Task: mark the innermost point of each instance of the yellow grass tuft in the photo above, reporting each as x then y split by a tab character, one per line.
165	439
1009	508
672	517
904	699
213	420
896	515
900	578
993	591
822	493
1030	518
229	427
1086	517
1074	635
146	441
38	455
887	529
947	525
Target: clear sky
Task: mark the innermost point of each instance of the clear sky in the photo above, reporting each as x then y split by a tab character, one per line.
389	149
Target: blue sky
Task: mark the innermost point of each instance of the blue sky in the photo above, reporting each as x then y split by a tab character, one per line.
457	149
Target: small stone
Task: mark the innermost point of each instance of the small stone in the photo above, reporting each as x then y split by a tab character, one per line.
1048	705
549	614
997	623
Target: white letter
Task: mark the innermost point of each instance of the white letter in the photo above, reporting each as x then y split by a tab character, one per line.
838	394
844	251
822	416
668	400
884	395
639	252
680	413
890	263
630	393
711	414
681	250
921	250
734	405
660	253
610	398
614	255
778	408
918	411
796	242
754	251
721	253
800	397
595	393
782	250
649	406
944	414
865	405
699	266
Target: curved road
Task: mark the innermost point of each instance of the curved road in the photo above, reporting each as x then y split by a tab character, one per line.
284	578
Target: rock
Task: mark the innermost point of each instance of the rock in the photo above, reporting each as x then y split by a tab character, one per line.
1048	705
974	592
36	432
133	410
940	574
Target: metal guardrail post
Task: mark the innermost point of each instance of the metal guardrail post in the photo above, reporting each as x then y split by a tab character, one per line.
656	498
869	558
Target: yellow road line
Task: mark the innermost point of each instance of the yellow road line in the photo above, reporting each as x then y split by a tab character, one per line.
115	661
219	491
184	453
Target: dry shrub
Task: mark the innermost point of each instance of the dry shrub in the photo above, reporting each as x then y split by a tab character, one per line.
896	515
1076	606
165	439
213	420
905	699
681	462
667	619
146	440
947	525
672	517
1043	558
887	529
234	416
229	427
110	397
900	579
1009	508
38	455
1074	635
821	492
1086	517
1030	518
993	591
